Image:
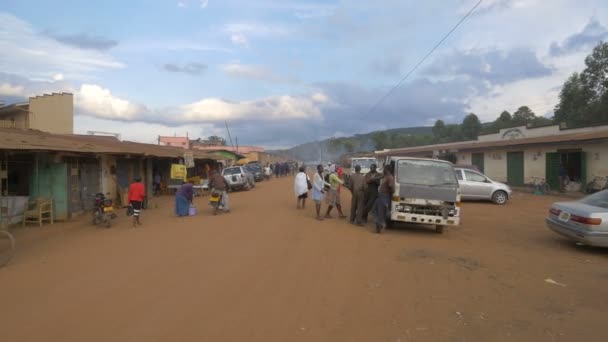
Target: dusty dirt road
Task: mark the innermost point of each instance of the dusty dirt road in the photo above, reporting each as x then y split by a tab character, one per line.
269	272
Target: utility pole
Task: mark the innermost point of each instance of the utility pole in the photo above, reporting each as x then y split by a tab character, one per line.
229	136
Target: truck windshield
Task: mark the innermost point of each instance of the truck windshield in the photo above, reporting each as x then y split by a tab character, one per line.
425	172
364	163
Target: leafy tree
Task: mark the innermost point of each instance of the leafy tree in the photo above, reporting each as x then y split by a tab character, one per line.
439	129
216	140
334	145
471	126
523	116
541	121
381	140
452	133
350	145
584	96
503	121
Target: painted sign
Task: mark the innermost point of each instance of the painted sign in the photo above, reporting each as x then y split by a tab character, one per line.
178	171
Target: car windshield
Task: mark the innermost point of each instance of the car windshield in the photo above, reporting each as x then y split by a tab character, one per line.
599	199
253	168
425	172
364	163
232	171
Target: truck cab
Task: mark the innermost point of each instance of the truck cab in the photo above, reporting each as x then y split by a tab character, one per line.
365	163
426	192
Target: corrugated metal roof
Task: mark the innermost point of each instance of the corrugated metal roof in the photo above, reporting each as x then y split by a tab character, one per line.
476	145
33	140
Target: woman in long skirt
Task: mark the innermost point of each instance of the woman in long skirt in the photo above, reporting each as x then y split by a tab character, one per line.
183	198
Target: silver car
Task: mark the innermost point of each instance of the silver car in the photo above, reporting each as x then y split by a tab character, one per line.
585	221
238	178
476	186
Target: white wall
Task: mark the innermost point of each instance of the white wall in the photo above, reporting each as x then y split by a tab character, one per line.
495	162
597	160
108	180
495	165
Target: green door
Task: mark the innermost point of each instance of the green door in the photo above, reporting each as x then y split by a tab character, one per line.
583	169
552	170
477	160
515	168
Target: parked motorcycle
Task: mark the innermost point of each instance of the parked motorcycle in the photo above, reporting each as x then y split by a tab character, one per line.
103	211
215	200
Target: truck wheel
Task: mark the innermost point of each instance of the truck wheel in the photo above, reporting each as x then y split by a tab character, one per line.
500	197
439	229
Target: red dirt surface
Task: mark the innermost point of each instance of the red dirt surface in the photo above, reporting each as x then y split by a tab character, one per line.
269	272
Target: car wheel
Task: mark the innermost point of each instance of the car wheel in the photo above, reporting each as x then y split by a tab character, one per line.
439	229
500	197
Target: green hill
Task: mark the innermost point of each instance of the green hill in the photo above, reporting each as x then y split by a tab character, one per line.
331	149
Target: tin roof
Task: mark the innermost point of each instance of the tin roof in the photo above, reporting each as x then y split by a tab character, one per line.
476	145
33	140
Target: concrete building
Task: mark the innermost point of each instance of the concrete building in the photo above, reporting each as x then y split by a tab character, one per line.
182	142
519	155
53	113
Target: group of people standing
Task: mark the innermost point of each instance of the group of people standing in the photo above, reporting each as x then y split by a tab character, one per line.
370	193
283	169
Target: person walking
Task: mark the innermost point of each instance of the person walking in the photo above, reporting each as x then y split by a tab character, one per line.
318	190
301	188
136	196
157	180
183	199
218	182
333	196
372	182
563	177
357	204
387	188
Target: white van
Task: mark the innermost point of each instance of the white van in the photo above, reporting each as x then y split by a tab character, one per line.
426	192
365	163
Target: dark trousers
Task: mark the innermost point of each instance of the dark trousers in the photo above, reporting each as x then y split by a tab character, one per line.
370	200
357	206
382	209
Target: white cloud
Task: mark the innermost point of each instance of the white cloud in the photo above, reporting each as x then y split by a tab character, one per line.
239	32
271	108
58	77
320	97
239	39
181	4
30	53
143	131
94	100
254	72
8	89
204	3
256	29
248	71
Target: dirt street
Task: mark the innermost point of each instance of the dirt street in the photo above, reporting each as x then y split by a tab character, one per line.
269	272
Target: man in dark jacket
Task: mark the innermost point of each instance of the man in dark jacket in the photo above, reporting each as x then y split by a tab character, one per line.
372	181
219	183
357	186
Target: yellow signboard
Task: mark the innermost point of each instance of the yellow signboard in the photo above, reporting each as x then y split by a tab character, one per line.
178	171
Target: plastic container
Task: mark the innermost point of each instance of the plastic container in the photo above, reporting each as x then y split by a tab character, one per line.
192	210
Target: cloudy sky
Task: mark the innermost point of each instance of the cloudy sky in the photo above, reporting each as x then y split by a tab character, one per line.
283	72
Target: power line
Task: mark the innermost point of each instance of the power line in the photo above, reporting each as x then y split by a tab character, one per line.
373	108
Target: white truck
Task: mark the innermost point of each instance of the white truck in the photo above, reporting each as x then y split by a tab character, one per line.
365	163
426	192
